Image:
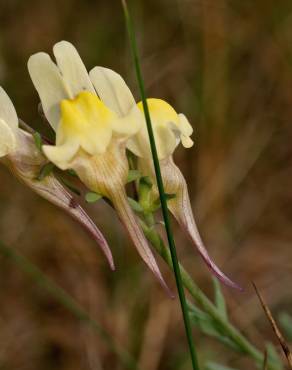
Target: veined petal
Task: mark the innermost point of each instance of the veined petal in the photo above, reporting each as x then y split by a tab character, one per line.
112	90
180	207
7	139
72	68
7	111
61	155
49	84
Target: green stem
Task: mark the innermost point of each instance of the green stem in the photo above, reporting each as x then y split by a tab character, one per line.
162	196
230	331
67	301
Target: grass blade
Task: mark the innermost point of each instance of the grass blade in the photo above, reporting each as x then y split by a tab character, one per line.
163	198
275	328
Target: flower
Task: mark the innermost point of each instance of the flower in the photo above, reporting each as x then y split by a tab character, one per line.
20	154
170	128
90	135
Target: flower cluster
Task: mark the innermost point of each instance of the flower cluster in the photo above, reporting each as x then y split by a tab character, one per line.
97	123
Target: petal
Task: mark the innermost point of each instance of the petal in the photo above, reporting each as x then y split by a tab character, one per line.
134	147
184	125
139	144
7	139
186	141
72	68
112	90
61	155
165	141
130	124
96	141
7	111
49	84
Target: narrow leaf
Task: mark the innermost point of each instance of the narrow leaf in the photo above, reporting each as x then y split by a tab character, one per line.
45	171
133	175
71	172
286	322
215	366
219	298
135	205
273	356
265	363
275	328
146	180
38	140
92	197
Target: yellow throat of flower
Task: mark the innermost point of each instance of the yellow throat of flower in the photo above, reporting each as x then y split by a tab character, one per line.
87	120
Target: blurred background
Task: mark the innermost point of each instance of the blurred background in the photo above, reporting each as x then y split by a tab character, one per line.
228	66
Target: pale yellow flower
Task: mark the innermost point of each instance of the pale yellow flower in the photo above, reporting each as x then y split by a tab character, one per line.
91	134
19	153
170	129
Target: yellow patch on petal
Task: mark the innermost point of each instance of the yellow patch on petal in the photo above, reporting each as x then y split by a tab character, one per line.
160	111
86	119
168	126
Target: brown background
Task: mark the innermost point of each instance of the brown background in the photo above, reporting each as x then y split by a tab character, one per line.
227	66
